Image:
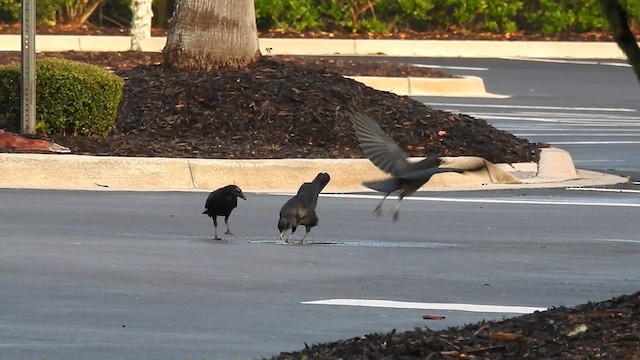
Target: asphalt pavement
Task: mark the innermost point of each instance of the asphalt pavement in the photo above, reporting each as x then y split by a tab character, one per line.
136	275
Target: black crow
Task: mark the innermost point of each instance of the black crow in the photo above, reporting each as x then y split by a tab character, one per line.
407	177
220	203
301	209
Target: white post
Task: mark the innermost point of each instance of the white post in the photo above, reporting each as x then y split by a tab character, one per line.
142	13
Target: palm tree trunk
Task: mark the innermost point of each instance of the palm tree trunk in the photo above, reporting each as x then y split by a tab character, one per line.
206	35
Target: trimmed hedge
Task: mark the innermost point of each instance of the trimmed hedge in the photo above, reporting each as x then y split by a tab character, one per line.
71	97
546	16
382	16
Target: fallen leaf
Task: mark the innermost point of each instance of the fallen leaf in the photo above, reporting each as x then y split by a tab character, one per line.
578	330
498	335
433	317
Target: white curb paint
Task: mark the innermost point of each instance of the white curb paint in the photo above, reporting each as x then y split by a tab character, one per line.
428	306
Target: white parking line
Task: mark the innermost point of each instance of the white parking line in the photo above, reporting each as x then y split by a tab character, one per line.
605	190
500	106
627	134
488	201
502	309
631	241
592	142
564	121
577	62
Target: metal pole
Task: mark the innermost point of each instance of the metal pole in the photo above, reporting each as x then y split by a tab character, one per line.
28	65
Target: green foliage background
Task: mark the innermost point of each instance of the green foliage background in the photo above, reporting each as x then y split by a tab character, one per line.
379	16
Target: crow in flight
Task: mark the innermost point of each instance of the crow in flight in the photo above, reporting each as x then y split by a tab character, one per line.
301	209
407	177
220	203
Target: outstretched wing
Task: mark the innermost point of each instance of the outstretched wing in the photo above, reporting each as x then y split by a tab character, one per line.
427	173
377	146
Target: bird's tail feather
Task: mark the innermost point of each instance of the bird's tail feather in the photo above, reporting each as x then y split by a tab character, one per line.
385	186
321	180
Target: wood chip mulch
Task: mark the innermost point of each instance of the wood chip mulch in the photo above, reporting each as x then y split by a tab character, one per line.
279	108
596	330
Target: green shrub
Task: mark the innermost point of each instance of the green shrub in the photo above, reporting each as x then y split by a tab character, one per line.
287	14
633	8
554	16
499	15
405	14
9	10
352	15
63	11
71	97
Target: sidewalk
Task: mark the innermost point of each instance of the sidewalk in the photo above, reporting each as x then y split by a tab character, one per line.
422	48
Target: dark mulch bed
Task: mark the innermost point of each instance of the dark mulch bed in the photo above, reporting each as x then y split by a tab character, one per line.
279	108
130	59
604	330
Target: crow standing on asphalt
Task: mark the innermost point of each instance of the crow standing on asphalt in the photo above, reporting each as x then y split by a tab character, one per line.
407	177
220	203
301	209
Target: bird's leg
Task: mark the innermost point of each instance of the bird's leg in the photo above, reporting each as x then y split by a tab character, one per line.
226	222
303	241
293	229
378	209
396	212
215	229
396	209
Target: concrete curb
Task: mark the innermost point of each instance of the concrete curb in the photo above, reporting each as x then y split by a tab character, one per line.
79	172
464	86
423	48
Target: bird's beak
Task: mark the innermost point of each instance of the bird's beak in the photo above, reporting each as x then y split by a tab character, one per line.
242	196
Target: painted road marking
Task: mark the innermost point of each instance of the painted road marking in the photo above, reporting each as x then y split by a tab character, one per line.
631	241
551	119
555	115
600	134
591	142
487	201
605	190
500	106
476	200
577	62
503	309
